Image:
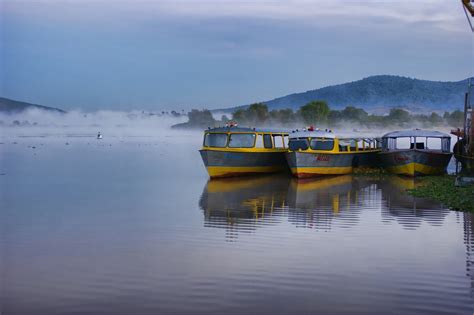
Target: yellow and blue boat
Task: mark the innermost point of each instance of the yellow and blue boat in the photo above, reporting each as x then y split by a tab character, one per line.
315	153
235	151
416	152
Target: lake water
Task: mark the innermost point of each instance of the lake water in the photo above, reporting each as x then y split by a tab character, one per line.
131	225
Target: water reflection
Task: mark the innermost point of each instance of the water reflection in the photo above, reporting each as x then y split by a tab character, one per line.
469	242
142	246
409	211
315	203
244	204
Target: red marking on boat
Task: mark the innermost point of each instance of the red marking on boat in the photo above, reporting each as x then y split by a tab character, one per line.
322	158
401	158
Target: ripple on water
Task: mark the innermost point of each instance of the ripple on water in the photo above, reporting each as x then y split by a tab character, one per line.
270	244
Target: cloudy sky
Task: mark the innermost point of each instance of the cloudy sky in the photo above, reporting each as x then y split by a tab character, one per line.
154	54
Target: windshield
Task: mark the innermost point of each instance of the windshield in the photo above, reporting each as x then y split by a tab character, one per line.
242	140
298	144
322	144
216	140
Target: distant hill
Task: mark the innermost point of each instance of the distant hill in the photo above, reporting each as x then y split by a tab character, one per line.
9	106
381	92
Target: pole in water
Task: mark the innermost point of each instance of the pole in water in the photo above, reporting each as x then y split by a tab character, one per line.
457	162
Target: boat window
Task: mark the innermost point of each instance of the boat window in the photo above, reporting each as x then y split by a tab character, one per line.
446	144
403	143
344	144
343	148
241	140
267	141
285	140
278	141
259	142
368	144
298	144
433	143
351	143
389	143
378	143
418	145
216	140
322	144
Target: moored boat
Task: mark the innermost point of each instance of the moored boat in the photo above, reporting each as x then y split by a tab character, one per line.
235	151
314	152
415	152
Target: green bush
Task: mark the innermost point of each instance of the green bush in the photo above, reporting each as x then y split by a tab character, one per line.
442	189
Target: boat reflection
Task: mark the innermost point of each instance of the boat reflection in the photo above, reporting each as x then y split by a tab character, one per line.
315	203
408	210
243	204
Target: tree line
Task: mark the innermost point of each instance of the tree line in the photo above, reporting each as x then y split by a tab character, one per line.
319	114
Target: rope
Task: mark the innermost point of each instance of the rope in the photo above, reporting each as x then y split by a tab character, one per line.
464	156
467	16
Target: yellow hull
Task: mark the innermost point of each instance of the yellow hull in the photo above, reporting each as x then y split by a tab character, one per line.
311	184
302	172
412	169
227	171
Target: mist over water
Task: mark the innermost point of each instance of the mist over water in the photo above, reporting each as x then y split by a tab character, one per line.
117	123
139	122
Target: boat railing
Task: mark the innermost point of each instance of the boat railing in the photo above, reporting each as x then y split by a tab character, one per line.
334	145
360	144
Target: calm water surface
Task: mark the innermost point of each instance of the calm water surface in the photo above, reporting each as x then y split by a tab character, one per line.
131	225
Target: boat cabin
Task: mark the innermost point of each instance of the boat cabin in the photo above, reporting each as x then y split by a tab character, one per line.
416	140
326	141
238	138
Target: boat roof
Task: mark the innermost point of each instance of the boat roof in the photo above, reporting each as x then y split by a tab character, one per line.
247	129
416	133
312	134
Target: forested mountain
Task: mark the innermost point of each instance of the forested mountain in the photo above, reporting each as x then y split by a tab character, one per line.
10	106
382	92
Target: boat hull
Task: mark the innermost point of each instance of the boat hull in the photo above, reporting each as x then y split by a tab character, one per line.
415	162
304	165
232	163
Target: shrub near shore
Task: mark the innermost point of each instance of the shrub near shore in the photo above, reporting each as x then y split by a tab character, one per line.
442	189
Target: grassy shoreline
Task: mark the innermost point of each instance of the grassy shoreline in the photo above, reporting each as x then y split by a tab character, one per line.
442	189
437	188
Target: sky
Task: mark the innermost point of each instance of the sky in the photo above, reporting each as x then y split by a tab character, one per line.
183	54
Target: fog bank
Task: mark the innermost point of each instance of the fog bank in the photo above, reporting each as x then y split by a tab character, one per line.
36	122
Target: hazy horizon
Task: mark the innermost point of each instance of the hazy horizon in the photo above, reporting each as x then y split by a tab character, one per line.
225	110
215	54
